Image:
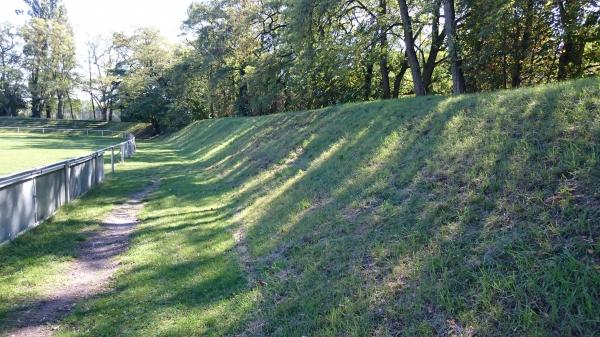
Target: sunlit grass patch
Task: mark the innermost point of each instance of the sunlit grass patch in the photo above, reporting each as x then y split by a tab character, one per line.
27	151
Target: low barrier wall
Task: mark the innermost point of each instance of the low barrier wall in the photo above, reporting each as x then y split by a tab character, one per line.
27	198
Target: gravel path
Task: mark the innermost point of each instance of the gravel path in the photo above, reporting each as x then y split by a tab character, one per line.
89	274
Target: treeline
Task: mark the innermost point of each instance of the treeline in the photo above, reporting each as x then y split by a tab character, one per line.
253	57
44	51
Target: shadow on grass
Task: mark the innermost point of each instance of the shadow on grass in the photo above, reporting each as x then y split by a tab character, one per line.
429	216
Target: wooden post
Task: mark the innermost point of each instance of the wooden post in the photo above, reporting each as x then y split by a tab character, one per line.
67	182
122	153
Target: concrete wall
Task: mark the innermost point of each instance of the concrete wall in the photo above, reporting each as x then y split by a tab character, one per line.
36	197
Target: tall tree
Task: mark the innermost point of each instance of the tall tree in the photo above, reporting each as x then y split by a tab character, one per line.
143	93
104	60
578	21
437	39
12	95
409	42
50	56
62	62
36	51
383	58
458	81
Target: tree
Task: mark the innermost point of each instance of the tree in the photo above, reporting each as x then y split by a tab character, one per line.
409	41
49	56
104	60
36	51
62	62
143	93
579	25
458	81
12	91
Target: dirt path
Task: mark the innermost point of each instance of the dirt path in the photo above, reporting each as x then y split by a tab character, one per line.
89	274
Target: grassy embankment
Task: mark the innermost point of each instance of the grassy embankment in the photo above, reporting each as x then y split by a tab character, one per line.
415	217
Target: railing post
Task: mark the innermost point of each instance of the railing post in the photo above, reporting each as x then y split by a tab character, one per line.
94	177
122	153
67	183
35	208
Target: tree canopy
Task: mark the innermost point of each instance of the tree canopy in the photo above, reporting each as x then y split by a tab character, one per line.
251	57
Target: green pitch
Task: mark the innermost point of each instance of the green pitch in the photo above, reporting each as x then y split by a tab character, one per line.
20	152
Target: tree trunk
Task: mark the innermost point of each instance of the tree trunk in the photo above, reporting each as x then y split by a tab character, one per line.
36	99
155	125
437	39
570	60
409	41
368	80
110	109
383	53
398	79
574	38
385	76
242	102
36	106
458	80
104	111
60	106
91	90
70	106
522	47
48	111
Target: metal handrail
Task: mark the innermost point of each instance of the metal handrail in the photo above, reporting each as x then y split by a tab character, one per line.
58	129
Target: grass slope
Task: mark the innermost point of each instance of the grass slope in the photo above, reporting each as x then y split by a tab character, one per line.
476	214
26	151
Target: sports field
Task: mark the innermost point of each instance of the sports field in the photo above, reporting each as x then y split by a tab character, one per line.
23	151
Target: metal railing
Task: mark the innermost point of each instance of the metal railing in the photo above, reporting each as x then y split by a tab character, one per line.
29	197
45	130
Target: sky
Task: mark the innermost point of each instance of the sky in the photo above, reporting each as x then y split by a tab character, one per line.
93	18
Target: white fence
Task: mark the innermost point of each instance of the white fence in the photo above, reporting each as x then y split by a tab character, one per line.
44	130
27	198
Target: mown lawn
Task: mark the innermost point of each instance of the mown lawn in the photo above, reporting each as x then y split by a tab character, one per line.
131	127
471	215
29	150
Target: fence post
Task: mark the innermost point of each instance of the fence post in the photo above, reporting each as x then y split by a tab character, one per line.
112	159
87	132
94	178
67	183
43	131
122	153
35	208
102	133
